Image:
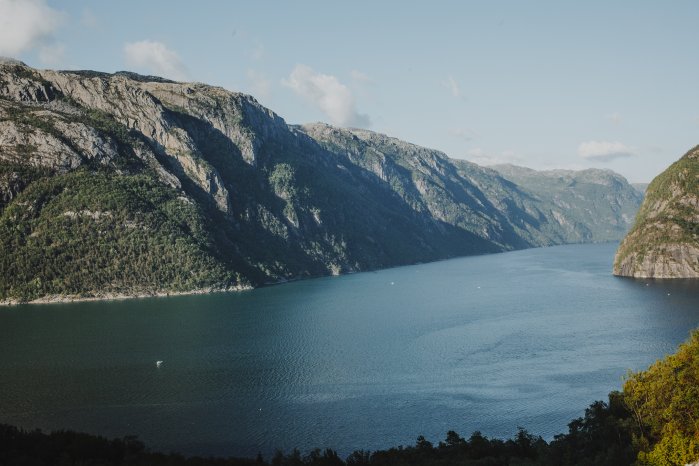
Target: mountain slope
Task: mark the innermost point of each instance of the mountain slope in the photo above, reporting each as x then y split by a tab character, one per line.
121	184
592	204
512	206
664	241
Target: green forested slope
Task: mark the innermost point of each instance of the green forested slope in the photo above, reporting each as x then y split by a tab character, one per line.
82	231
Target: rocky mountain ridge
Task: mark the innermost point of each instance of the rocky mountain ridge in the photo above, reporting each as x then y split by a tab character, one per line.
664	241
121	184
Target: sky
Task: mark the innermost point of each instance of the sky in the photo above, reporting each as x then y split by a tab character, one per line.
543	84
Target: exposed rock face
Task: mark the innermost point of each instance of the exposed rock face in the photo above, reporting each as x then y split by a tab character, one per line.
511	206
664	242
175	186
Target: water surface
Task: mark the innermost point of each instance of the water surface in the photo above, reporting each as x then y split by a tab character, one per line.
365	361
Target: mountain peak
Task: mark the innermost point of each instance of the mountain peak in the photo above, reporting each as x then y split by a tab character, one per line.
11	61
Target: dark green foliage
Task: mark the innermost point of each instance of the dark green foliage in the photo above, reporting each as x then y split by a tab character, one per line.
66	448
87	232
604	437
28	117
665	403
599	439
524	449
14	178
107	124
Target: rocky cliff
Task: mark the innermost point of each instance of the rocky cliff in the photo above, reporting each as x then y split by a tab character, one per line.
121	184
513	206
664	241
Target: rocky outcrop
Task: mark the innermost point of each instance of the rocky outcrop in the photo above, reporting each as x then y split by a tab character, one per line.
664	242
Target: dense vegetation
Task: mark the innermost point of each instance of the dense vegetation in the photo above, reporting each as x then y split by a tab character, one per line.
599	438
665	402
100	231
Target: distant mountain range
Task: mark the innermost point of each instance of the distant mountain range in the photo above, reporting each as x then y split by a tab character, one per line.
125	185
588	205
664	241
640	187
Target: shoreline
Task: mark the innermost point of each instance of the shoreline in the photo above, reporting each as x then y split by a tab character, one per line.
57	299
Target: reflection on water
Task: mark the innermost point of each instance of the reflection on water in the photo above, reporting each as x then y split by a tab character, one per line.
371	360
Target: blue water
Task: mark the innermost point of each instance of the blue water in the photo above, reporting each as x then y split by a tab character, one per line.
365	361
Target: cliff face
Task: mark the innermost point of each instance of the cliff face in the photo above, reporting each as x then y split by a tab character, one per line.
512	206
664	241
128	184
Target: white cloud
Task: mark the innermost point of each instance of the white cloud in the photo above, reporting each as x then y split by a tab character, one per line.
156	58
476	153
328	94
360	77
258	52
26	24
604	151
259	84
481	157
614	118
453	86
465	134
52	55
89	19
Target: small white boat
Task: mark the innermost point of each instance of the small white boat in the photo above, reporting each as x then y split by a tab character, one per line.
158	363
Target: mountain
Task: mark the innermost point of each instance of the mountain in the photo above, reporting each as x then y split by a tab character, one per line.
592	204
664	241
123	185
640	187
